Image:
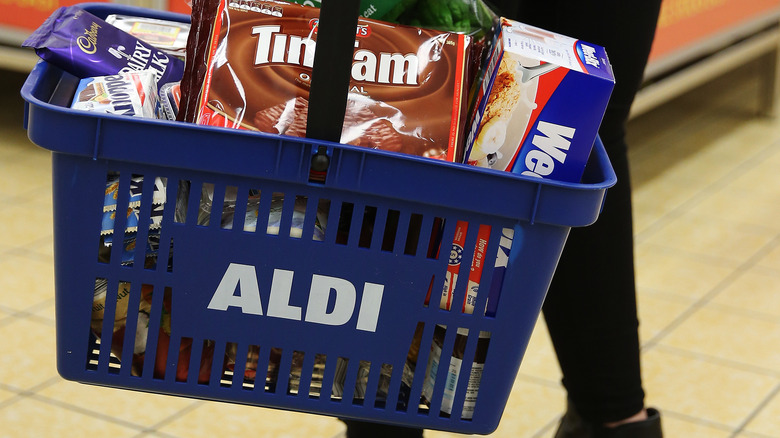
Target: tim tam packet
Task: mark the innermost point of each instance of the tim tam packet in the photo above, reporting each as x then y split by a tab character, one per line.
86	46
540	105
407	91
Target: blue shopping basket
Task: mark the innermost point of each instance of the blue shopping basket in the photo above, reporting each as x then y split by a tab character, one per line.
255	284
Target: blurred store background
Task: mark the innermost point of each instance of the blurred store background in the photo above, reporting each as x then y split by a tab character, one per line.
705	151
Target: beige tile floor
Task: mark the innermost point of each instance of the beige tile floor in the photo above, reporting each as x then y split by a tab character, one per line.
706	174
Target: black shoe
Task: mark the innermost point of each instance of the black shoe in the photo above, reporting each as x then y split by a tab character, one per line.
574	426
362	429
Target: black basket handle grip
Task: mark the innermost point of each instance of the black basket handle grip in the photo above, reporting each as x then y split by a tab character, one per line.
332	69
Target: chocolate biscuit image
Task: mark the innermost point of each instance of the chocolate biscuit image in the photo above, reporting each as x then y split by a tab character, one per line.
374	132
88	93
362	126
278	119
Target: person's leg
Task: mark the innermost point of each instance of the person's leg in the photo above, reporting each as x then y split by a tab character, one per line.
362	429
590	309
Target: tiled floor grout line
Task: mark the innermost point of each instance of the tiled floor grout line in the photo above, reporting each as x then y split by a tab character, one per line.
768	270
157	434
27	314
25	393
556	384
663	295
90	413
700	196
701	302
189	408
753	314
747	434
757	410
720	361
695	420
31	254
547	428
33	393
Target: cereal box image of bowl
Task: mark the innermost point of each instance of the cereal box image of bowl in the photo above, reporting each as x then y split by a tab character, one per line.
540	104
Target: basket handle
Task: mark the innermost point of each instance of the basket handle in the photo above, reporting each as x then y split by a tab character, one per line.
332	69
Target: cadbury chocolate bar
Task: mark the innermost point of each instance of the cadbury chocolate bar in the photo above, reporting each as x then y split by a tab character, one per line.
85	46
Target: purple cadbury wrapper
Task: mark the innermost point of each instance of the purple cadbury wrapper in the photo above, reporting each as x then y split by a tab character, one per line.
85	46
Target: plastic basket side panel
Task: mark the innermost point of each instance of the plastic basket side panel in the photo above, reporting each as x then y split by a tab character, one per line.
230	287
52	128
78	189
532	261
358	301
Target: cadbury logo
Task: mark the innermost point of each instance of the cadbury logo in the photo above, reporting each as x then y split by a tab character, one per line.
384	68
88	42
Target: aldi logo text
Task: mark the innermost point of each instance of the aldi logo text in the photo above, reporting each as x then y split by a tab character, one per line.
239	288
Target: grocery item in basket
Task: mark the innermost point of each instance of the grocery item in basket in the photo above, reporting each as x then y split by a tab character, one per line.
502	261
407	92
377	9
165	35
133	219
251	217
170	96
122	299
129	244
104	296
450	283
202	18
136	190
540	104
86	46
469	16
128	94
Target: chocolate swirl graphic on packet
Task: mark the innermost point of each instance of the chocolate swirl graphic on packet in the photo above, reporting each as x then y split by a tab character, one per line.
407	93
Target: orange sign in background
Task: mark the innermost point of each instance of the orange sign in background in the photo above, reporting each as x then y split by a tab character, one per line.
684	23
27	15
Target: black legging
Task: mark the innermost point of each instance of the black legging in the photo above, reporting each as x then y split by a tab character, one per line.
590	308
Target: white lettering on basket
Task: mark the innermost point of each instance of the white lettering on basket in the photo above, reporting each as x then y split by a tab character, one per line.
239	288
